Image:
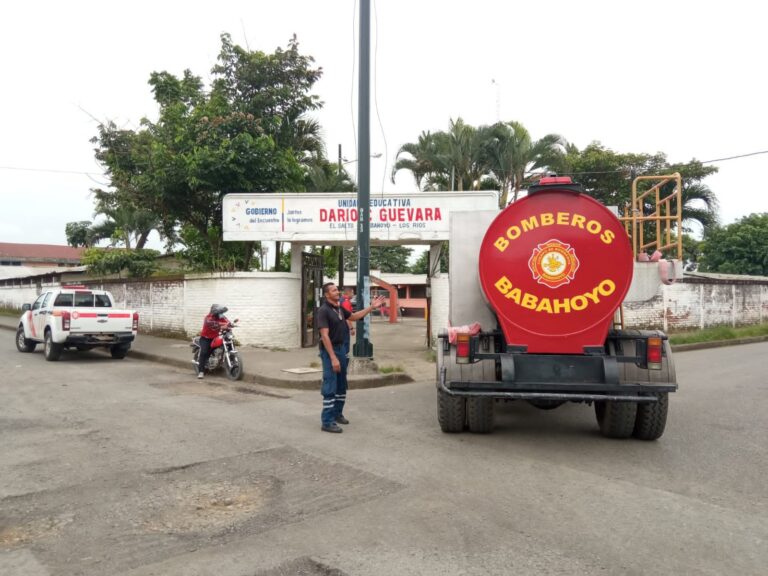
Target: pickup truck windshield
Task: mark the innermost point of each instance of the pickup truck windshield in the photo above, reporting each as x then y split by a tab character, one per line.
83	300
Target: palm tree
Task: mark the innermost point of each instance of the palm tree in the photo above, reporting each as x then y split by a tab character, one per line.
125	222
699	205
512	154
445	160
421	160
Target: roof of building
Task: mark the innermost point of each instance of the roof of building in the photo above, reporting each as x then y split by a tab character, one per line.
40	251
31	272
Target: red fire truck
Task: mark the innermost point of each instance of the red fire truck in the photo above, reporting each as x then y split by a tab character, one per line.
536	294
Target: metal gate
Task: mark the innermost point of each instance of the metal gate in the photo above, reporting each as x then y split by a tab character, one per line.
311	287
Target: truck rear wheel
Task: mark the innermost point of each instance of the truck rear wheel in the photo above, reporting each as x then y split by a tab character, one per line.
651	418
51	350
546	404
451	412
480	415
119	351
616	419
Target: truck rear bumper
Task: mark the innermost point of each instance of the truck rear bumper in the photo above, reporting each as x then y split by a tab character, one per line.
558	391
99	339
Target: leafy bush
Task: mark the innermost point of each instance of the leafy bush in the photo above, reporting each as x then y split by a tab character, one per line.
138	263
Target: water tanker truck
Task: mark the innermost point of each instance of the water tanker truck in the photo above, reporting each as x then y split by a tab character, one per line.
535	309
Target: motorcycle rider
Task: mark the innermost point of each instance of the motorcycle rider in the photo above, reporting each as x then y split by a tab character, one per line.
213	323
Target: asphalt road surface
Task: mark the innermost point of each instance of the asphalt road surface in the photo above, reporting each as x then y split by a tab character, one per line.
133	468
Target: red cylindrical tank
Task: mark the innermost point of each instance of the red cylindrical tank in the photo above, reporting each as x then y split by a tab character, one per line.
555	266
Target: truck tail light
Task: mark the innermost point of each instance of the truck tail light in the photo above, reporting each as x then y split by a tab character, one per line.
66	320
462	348
653	353
136	321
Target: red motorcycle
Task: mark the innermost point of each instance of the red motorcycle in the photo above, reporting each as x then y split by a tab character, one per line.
223	353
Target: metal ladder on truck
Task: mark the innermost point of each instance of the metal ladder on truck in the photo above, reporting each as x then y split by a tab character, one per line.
653	221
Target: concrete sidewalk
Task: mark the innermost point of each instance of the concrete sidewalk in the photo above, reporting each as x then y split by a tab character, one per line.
399	349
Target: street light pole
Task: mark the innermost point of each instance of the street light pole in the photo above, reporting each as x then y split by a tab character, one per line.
363	347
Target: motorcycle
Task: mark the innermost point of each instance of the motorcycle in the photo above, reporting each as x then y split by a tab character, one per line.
223	353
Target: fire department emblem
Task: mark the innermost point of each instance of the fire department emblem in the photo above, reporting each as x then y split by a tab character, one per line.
553	263
75	315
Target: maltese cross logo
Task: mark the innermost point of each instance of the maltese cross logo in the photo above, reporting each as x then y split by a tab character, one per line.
553	263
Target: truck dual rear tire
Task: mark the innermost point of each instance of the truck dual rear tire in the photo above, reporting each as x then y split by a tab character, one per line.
451	412
480	415
651	418
616	419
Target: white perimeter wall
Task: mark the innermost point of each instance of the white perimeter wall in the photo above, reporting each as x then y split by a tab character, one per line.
269	304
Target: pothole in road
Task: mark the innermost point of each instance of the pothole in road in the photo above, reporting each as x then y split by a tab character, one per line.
21	535
303	566
205	506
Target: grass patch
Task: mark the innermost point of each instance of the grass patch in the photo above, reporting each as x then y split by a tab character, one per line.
430	356
314	364
12	312
390	369
719	333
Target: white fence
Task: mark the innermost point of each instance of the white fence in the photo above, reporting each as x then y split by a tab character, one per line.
270	308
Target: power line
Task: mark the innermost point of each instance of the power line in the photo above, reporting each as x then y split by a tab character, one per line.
51	170
735	157
687	164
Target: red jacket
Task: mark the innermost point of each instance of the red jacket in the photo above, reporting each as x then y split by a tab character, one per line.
212	325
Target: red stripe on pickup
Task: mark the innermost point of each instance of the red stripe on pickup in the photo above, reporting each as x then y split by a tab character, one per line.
119	315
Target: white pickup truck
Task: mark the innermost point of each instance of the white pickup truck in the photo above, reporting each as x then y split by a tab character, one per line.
76	317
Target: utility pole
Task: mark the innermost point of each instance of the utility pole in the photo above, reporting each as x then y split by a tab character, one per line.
341	248
363	347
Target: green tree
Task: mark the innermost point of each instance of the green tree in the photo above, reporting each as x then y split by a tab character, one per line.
607	176
248	134
421	263
512	155
392	259
79	234
738	248
469	158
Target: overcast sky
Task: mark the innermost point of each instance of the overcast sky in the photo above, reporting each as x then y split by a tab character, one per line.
685	79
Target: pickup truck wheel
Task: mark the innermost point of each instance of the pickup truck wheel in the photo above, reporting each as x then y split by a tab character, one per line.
51	350
651	418
616	419
451	412
480	415
119	351
24	344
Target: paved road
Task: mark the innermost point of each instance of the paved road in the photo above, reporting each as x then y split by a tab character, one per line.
132	468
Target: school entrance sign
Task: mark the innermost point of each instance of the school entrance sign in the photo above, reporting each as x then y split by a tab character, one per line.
332	218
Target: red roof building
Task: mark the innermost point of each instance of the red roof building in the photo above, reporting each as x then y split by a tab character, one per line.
42	255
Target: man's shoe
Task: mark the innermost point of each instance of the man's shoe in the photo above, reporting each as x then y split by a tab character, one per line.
341	420
335	428
199	375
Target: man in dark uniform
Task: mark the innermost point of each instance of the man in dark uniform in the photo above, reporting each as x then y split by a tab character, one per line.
332	322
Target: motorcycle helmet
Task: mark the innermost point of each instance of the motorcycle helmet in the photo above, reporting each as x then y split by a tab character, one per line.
218	310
